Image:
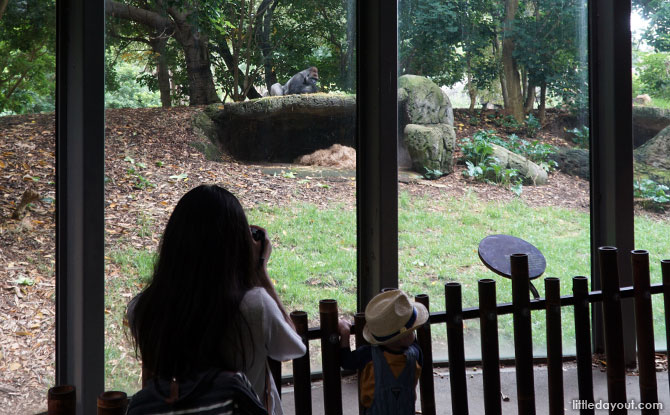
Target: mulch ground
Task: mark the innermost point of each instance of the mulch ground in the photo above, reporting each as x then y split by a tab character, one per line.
150	163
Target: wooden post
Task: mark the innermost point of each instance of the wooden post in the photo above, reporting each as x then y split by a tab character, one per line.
302	384
644	323
457	379
488	319
112	403
61	400
426	383
359	322
613	324
523	340
552	290
580	290
330	352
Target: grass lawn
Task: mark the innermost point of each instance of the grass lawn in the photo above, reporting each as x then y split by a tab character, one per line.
314	257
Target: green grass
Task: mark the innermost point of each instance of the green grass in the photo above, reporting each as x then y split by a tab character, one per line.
660	103
314	257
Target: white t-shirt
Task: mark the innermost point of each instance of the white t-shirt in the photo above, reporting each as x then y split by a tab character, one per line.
272	337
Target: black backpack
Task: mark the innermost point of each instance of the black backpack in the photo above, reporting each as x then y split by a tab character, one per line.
209	393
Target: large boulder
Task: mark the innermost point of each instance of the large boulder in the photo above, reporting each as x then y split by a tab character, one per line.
430	146
421	103
280	129
647	122
529	171
572	161
655	152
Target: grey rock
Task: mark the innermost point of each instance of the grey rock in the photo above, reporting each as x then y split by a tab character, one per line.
529	171
426	103
656	151
430	146
647	122
573	161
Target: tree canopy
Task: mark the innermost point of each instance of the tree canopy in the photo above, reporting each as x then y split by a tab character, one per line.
207	51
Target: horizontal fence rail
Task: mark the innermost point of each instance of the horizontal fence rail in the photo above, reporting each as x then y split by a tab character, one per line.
487	312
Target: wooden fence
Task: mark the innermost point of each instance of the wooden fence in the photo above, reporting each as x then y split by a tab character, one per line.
520	308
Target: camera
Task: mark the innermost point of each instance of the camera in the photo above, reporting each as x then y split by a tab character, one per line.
257	234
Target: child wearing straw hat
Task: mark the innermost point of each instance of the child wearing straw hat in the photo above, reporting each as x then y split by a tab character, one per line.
390	366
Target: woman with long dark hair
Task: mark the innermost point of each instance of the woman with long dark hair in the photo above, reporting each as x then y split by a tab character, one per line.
210	302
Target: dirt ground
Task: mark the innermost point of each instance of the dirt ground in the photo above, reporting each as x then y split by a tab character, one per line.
150	163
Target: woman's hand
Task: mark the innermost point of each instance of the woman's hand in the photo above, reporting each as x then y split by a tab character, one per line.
262	249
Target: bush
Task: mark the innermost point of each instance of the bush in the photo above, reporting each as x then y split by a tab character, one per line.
481	165
580	136
654	77
532	125
654	194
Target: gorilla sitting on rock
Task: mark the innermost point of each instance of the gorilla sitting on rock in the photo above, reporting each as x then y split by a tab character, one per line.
304	82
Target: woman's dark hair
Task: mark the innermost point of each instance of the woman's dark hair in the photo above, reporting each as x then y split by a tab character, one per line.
187	319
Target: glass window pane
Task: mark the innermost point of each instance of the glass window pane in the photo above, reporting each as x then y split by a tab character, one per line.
651	121
196	100
482	84
27	203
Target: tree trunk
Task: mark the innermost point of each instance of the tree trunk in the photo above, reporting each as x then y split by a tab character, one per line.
230	62
510	67
3	6
501	74
542	113
158	45
195	46
263	30
530	98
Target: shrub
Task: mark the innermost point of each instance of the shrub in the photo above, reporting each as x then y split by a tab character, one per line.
654	194
532	125
481	165
580	136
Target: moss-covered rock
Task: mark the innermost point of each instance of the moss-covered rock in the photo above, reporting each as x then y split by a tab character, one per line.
647	122
282	128
426	103
430	146
529	171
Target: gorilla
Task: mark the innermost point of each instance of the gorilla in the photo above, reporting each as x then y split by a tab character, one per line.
304	82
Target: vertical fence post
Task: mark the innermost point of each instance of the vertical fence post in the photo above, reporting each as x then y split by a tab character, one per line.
644	324
112	403
523	340
580	289
616	368
552	290
61	400
426	384
488	319
457	379
665	269
359	321
302	385
330	352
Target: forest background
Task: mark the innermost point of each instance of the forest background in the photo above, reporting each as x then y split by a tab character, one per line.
518	53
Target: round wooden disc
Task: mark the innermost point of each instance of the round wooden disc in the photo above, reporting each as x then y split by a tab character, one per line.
495	251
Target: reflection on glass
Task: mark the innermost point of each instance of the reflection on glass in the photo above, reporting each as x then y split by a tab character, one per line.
27	203
482	84
650	25
263	104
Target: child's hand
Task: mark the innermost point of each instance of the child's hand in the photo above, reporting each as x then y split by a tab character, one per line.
344	329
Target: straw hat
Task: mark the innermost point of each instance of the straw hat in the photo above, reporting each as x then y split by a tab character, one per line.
390	315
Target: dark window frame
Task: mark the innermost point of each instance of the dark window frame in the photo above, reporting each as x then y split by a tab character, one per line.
80	168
